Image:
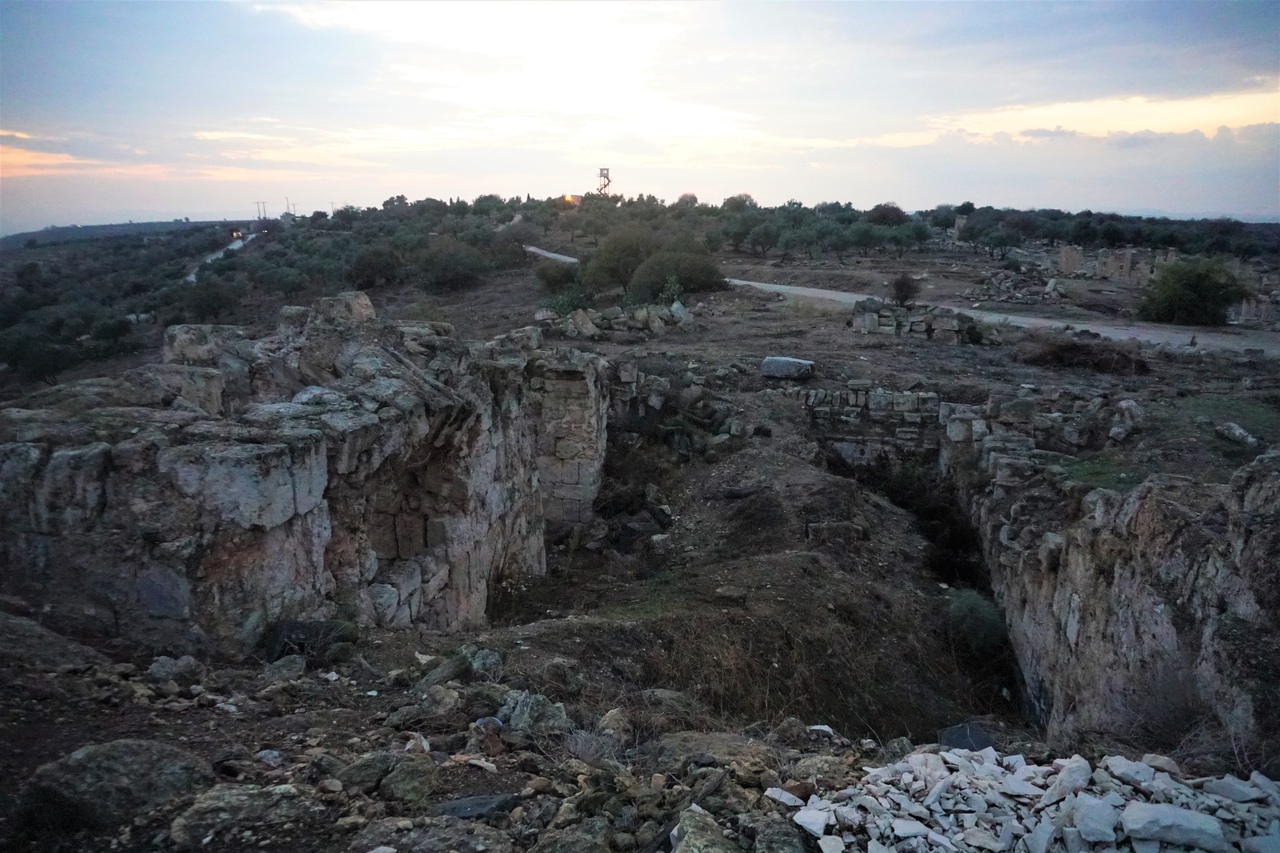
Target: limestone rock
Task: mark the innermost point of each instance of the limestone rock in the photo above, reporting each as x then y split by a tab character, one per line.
1173	825
412	780
342	463
1236	433
104	785
782	367
30	644
535	714
699	833
778	836
227	807
444	835
367	772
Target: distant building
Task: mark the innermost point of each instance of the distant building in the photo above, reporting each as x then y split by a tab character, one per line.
574	200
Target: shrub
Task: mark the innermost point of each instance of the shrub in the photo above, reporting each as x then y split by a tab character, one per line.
451	265
556	276
904	288
620	255
374	265
694	273
977	622
212	301
1102	356
1197	291
568	301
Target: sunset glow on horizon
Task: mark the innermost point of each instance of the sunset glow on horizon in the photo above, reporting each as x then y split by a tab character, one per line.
115	111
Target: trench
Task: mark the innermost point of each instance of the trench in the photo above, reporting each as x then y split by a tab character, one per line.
852	665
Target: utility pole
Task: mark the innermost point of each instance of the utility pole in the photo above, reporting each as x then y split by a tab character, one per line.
262	209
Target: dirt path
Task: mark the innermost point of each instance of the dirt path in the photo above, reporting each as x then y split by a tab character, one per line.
564	259
1237	340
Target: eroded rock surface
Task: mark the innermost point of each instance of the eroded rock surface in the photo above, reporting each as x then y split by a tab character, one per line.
343	467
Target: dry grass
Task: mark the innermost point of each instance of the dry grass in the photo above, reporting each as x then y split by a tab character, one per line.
1055	350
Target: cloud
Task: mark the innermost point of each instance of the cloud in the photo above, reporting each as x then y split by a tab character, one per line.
1045	133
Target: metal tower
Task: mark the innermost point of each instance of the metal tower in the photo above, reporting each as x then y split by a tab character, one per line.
604	180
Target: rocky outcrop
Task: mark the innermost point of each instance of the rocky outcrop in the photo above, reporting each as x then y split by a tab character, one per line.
1132	613
341	467
1153	608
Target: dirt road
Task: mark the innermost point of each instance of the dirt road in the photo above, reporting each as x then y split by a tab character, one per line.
1232	339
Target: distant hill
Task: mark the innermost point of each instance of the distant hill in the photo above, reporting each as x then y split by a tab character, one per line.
70	233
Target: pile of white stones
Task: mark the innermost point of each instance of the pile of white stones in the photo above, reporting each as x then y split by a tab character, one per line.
969	802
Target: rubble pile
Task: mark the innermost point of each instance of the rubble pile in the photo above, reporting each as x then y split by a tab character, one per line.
649	320
964	801
929	322
1006	286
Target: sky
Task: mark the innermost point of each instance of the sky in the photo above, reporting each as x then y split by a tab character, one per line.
114	111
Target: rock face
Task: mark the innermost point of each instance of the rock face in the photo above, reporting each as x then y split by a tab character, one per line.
104	785
342	467
1130	609
1151	607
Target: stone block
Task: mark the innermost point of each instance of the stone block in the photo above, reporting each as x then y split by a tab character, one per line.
781	367
960	429
905	401
880	400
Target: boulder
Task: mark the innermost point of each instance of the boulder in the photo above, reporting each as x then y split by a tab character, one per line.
781	367
534	714
104	785
236	807
699	833
413	780
29	644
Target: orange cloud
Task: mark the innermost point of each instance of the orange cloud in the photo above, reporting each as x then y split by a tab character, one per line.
23	163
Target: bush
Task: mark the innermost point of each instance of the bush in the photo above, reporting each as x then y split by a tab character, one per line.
1102	356
374	265
451	265
904	288
977	622
620	255
212	301
556	276
1197	292
568	301
693	273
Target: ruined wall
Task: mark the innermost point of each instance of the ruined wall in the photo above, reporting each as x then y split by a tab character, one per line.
343	466
867	424
927	322
572	400
1119	605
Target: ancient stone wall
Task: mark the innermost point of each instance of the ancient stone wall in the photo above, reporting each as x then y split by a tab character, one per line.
342	467
572	400
926	322
866	424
